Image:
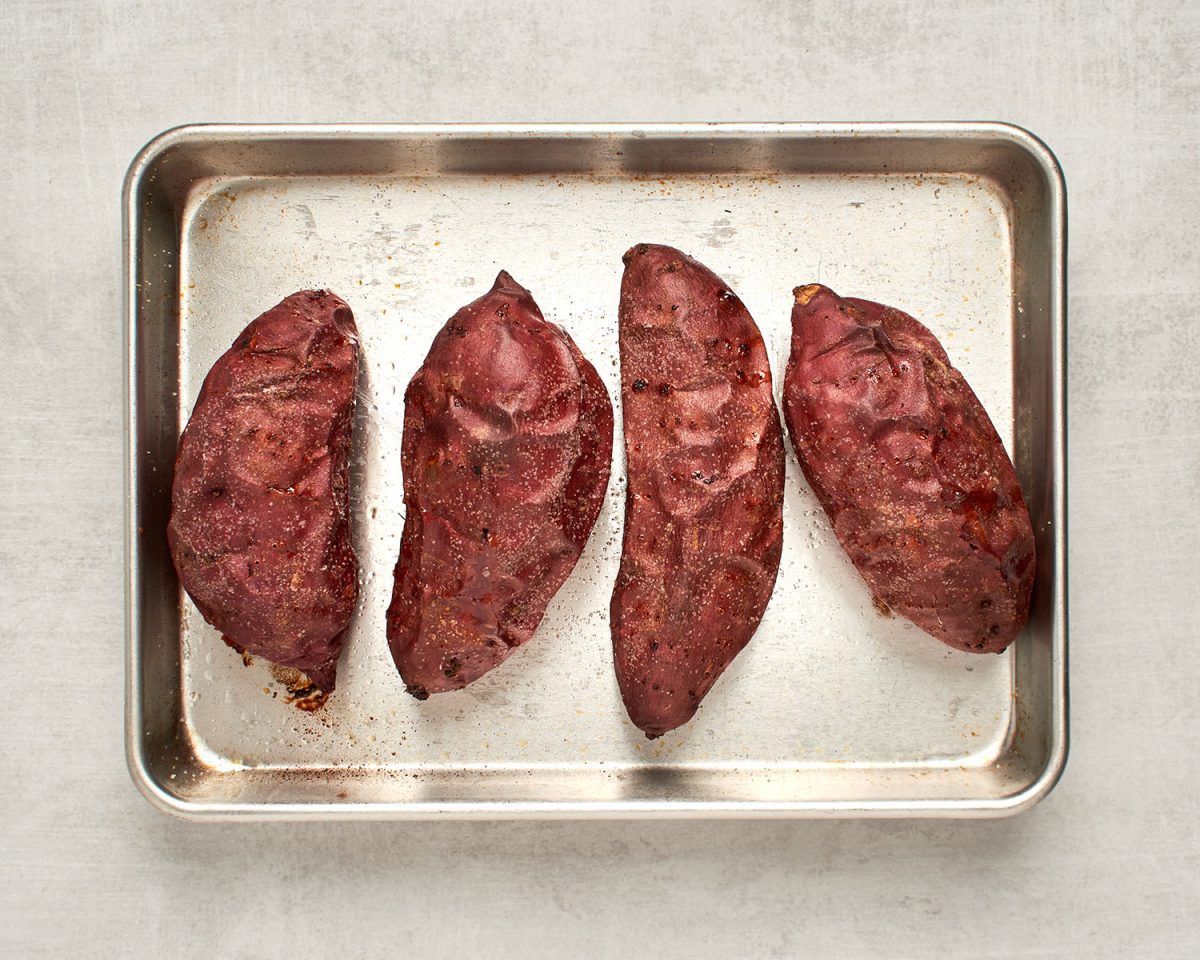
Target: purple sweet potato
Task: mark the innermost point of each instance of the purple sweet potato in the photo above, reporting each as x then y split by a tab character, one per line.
704	505
260	527
910	470
506	453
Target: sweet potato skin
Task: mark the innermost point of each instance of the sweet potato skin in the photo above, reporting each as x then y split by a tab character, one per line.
260	528
910	470
704	504
506	453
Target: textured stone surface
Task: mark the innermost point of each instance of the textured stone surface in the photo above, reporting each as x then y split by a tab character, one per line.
1106	867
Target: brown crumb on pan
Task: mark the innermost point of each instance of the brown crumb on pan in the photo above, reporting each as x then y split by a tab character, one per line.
301	692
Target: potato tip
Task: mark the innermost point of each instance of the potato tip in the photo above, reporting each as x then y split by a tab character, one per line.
805	293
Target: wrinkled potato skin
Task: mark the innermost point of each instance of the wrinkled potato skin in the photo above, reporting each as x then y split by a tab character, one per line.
910	470
506	454
260	527
703	510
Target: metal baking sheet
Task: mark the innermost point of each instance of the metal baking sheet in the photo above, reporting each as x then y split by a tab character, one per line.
831	709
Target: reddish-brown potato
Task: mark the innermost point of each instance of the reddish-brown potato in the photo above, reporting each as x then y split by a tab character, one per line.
506	453
260	526
703	509
910	470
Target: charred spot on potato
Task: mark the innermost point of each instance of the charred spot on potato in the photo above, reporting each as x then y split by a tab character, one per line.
309	699
640	249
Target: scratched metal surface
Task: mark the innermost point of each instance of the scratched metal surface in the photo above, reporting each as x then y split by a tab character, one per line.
831	708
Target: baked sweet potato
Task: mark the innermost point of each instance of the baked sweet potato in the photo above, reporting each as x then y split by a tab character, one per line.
260	526
506	453
704	505
910	470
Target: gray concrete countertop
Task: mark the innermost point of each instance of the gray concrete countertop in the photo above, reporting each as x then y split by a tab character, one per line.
1108	866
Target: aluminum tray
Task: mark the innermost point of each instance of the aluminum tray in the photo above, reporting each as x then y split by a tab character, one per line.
831	710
